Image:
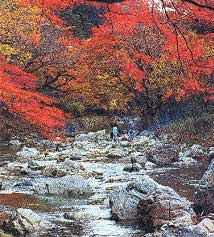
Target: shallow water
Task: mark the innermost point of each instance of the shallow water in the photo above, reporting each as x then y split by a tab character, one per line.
92	217
183	180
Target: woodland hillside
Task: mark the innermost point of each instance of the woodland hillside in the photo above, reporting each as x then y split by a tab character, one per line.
64	59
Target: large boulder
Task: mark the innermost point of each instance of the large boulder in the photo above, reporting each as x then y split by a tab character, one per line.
204	198
150	204
73	186
163	154
25	221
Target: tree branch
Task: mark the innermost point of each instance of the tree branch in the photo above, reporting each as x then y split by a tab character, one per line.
206	6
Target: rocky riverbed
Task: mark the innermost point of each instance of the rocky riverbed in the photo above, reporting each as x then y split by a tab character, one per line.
92	187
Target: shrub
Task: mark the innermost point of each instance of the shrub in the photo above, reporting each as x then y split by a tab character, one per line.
193	129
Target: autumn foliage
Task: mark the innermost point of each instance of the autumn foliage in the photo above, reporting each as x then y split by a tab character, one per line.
19	96
140	54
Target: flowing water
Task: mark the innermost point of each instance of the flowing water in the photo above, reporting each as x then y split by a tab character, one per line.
91	217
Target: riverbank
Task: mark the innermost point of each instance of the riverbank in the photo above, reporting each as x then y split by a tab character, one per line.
70	192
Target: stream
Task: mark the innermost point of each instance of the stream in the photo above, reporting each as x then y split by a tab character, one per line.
91	217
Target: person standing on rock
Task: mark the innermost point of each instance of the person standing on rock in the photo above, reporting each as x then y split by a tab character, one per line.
131	133
72	132
58	142
115	133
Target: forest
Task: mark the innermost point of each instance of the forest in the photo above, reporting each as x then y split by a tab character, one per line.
62	59
106	118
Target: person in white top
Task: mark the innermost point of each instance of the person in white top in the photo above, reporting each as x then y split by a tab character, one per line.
115	133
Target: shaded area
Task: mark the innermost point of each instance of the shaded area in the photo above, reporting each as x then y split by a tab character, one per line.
81	19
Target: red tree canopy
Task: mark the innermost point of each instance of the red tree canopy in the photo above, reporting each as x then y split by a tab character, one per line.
17	92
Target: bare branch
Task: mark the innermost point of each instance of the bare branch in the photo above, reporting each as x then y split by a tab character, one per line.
206	6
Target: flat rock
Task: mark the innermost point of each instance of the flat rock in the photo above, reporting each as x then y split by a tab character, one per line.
41	164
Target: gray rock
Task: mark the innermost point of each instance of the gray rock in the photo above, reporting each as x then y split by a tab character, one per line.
72	154
15	143
146	202
163	154
211	155
125	143
16	166
94	212
72	186
53	172
149	165
133	167
147	133
207	225
26	184
196	151
41	164
76	157
185	159
137	157
25	221
27	153
179	232
124	205
117	153
211	148
101	136
89	137
70	165
204	198
142	142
